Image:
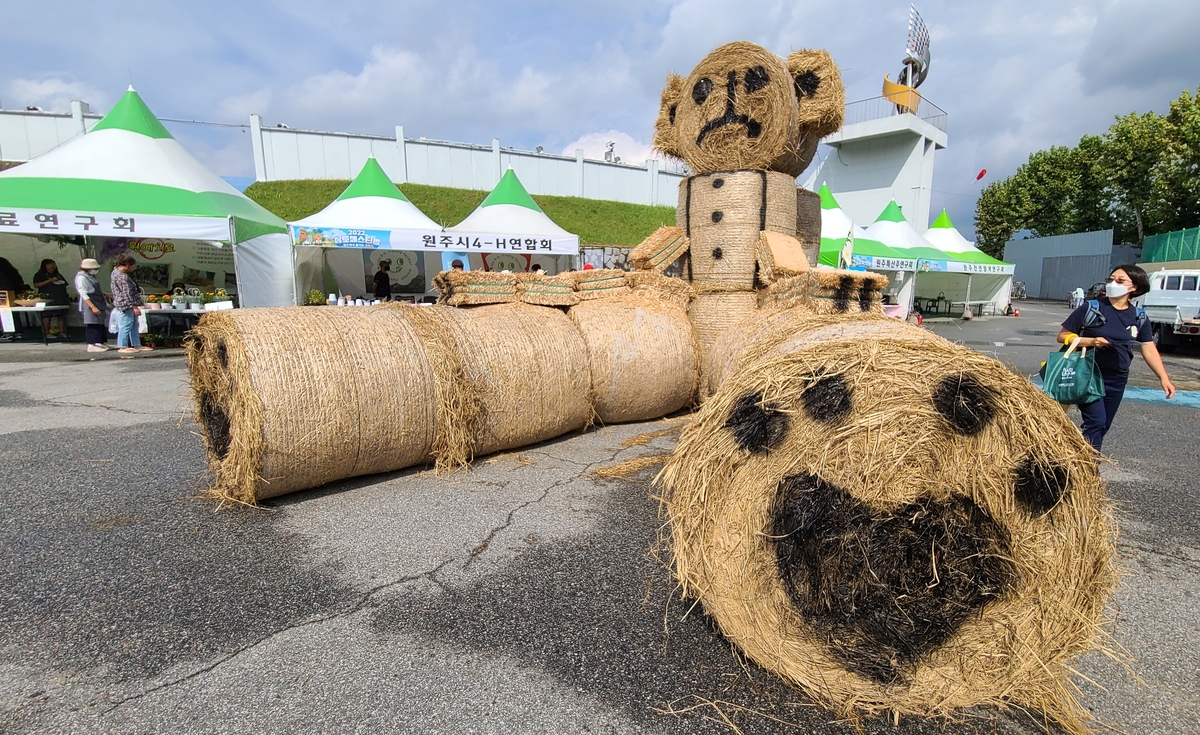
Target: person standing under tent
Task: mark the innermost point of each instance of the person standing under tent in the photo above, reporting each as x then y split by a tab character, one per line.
50	282
1112	326
127	302
92	306
383	282
456	265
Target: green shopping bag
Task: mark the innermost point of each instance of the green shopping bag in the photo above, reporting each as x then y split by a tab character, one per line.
1072	377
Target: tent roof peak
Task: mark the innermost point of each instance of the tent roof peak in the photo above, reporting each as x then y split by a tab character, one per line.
132	115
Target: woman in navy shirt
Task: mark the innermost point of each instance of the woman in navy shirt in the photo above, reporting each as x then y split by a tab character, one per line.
1113	332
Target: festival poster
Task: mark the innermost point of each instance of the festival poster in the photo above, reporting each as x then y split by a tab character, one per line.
512	262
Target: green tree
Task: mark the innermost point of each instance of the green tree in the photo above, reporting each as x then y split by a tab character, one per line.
997	217
1131	154
1176	202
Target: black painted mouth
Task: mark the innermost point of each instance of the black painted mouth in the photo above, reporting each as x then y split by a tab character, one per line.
753	127
887	589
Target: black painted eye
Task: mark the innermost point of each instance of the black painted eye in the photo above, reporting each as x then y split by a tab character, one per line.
757	426
1038	487
965	403
671	113
806	84
827	400
756	78
718	253
702	90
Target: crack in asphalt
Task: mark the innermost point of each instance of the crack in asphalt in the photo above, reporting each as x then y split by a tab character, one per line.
366	598
362	602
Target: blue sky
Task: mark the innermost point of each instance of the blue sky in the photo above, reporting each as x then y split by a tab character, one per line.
1014	77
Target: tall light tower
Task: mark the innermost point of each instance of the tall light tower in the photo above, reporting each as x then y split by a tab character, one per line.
884	150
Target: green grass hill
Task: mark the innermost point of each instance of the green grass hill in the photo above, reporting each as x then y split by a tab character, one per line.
596	222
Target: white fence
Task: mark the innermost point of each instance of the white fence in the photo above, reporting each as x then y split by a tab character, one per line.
286	153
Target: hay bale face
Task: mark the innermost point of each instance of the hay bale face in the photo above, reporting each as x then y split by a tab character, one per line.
893	522
743	107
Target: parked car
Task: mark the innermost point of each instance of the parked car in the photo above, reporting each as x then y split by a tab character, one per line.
1096	291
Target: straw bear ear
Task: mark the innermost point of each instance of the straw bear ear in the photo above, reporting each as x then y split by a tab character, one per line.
819	92
666	140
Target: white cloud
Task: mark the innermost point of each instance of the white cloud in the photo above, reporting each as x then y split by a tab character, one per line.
240	106
53	94
628	148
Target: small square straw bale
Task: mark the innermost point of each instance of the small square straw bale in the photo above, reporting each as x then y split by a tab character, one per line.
472	288
600	284
779	256
653	284
559	290
662	248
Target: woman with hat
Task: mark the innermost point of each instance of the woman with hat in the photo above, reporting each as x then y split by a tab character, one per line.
92	305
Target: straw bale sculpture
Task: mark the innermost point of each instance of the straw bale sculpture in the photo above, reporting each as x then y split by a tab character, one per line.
890	521
346	392
747	123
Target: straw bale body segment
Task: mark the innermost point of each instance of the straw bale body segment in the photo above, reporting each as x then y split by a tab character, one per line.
891	521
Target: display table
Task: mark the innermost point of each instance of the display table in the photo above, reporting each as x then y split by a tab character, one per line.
172	319
9	323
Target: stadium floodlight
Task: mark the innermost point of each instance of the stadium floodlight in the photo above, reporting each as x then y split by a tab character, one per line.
916	50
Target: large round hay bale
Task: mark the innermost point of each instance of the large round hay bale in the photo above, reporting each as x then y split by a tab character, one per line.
644	360
293	398
892	522
767	327
528	368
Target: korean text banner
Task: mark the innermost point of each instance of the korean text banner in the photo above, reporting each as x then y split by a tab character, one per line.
950	266
884	264
460	242
113	224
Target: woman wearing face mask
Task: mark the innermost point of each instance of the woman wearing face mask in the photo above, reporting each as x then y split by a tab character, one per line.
1113	328
92	306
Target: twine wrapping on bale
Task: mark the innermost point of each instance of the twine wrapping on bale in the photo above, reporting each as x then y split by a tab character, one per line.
779	256
297	397
722	214
476	288
662	248
644	362
600	283
892	522
540	290
651	284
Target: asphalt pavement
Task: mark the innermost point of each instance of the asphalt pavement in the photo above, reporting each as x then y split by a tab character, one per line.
522	595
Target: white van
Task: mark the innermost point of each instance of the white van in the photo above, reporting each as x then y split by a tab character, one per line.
1173	305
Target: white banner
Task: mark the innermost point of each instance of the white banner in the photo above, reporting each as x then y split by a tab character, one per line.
112	224
951	266
425	240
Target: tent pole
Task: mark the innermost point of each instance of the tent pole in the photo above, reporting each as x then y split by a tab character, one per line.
968	288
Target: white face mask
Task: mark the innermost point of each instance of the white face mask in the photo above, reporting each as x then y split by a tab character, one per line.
1114	290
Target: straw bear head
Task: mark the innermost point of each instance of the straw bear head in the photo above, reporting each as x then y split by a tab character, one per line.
743	107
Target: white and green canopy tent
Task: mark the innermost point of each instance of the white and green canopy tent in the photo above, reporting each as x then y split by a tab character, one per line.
128	178
940	274
509	231
340	247
987	279
873	255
